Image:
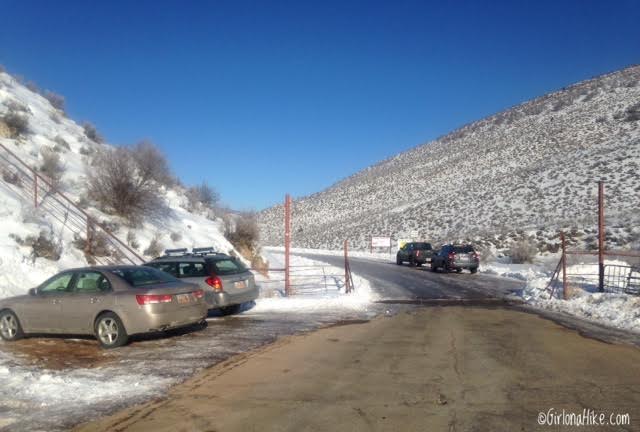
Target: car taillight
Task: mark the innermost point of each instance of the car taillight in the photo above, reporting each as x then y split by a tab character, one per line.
199	294
418	253
214	282
476	256
145	299
452	256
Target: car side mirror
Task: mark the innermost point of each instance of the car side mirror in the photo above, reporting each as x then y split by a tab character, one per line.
33	291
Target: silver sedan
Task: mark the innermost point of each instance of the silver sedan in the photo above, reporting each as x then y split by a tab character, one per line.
111	303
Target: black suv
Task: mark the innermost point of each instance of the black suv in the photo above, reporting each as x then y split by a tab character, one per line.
415	253
456	257
226	282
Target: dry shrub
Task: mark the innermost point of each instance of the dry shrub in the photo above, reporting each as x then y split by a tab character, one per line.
92	133
44	246
152	163
155	248
56	100
523	251
204	195
17	123
242	232
52	166
120	185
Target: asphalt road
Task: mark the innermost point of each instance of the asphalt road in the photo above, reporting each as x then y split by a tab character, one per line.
394	282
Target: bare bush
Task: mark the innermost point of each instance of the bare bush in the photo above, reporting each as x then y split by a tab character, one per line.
92	133
132	240
155	248
152	163
244	234
52	166
523	251
44	246
202	195
11	176
61	144
17	123
56	100
119	185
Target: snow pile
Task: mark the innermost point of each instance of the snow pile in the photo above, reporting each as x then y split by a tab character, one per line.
610	309
48	127
316	287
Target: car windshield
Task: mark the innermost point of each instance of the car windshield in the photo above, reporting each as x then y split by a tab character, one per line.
227	267
463	249
426	246
143	276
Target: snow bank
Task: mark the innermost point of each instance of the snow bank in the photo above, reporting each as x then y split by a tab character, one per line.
610	309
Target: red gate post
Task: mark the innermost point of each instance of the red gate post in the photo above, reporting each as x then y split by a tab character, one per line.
565	294
601	235
287	244
348	283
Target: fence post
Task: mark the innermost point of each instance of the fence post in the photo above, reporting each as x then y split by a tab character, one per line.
35	189
601	235
87	246
287	244
348	283
565	294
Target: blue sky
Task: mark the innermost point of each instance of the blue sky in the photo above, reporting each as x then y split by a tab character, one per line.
263	98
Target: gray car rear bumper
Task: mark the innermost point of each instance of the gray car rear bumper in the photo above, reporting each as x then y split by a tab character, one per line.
224	299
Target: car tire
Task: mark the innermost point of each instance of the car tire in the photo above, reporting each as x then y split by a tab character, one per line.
230	310
458	270
434	268
398	260
110	331
10	328
412	262
474	270
419	264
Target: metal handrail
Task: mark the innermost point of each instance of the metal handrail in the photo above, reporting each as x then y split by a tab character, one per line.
90	220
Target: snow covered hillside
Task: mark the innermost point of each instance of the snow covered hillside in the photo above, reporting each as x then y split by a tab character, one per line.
530	168
45	130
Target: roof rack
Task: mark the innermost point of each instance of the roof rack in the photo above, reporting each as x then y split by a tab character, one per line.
204	251
175	252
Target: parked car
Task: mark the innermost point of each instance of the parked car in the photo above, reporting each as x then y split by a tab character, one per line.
415	253
110	302
456	257
226	281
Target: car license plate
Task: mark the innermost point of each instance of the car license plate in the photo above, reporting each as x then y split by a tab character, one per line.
183	298
240	284
464	258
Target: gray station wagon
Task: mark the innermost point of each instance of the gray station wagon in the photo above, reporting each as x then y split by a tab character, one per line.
226	281
110	302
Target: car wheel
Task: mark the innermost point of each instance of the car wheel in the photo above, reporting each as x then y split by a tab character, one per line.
230	310
419	264
474	270
110	331
434	268
458	270
10	328
412	262
398	260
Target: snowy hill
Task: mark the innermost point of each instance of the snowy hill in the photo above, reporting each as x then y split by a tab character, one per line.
530	168
47	131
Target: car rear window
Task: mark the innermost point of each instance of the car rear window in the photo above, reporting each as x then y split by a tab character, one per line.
227	267
143	276
463	249
426	246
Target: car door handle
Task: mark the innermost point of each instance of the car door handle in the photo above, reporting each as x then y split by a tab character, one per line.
95	300
56	301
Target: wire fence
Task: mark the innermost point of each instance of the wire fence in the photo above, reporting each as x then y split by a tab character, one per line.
305	280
